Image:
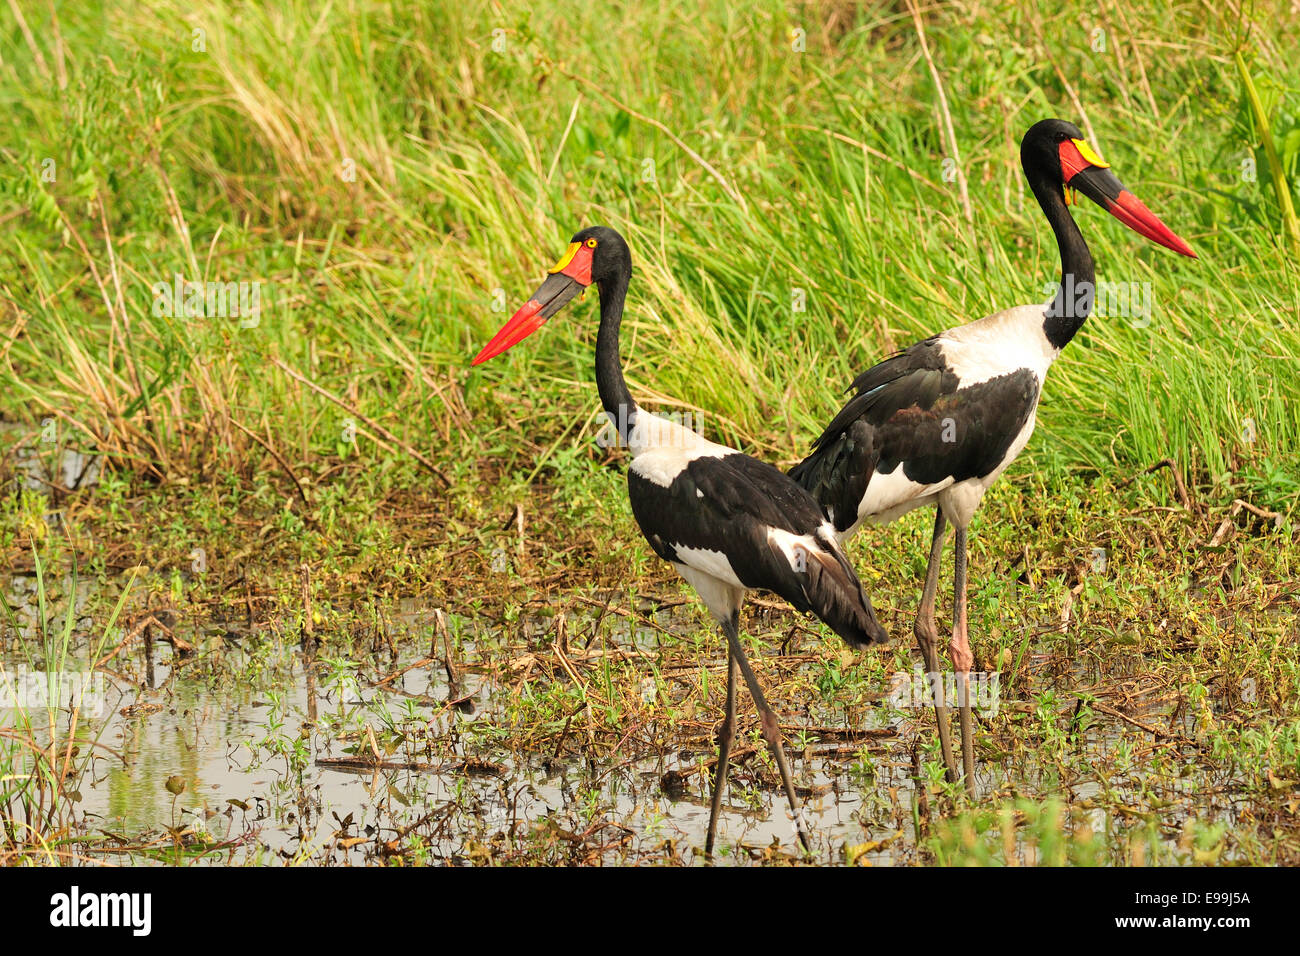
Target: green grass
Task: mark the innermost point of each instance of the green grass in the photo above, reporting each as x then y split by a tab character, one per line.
228	164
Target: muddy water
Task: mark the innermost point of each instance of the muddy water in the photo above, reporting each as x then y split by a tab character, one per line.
210	738
261	742
169	720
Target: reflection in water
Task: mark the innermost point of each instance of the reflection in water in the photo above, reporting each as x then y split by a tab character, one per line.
276	743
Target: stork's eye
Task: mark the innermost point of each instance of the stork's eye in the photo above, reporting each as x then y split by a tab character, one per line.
591	243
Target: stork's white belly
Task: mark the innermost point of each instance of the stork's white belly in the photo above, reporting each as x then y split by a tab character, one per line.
892	495
712	563
960	501
722	598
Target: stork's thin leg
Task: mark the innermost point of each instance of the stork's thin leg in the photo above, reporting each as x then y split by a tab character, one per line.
771	728
725	736
963	659
927	638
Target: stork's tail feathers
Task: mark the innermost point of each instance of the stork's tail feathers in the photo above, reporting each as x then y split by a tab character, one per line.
832	591
838	599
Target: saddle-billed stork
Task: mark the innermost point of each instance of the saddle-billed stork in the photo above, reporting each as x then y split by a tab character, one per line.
727	522
936	423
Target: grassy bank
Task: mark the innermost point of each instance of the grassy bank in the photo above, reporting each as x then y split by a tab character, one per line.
382	171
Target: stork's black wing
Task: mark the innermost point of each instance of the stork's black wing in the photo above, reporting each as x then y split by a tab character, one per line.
733	505
912	410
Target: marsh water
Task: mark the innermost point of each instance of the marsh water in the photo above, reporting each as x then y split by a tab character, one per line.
231	745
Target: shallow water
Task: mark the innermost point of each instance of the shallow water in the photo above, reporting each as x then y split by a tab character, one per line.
256	735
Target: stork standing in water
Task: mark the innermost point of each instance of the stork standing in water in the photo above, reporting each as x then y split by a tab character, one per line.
936	423
727	522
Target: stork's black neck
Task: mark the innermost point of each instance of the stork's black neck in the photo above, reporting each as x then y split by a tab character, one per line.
614	394
1073	301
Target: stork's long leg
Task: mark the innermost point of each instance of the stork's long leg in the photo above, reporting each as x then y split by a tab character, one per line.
771	728
725	737
927	638
963	659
